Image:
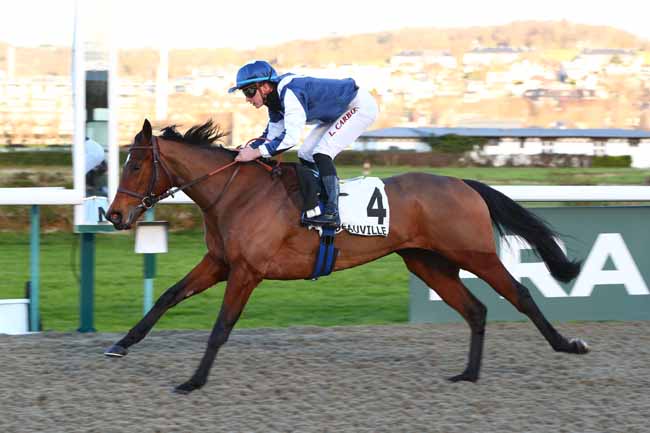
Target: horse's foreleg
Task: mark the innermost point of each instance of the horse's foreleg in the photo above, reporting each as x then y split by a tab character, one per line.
207	273
496	275
442	276
241	283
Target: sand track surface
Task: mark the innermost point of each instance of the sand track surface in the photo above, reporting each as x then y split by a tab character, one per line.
343	379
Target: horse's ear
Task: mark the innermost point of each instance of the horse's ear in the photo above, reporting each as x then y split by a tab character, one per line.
146	130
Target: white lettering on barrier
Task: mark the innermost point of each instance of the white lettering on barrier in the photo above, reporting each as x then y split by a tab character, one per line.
607	245
610	245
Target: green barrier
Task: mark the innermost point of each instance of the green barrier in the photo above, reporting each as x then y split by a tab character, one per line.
612	285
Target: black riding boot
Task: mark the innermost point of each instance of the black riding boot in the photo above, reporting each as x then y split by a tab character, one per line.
330	215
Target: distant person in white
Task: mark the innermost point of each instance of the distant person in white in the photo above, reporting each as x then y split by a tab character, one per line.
95	169
94	154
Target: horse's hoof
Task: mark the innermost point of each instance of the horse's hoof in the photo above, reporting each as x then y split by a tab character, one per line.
579	346
116	351
465	376
186	388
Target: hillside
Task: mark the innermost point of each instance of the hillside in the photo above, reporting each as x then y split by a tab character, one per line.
372	48
377	47
572	89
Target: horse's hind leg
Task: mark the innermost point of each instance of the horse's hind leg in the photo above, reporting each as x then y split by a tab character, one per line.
442	276
204	275
496	275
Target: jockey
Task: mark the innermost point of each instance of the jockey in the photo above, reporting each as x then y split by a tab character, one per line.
339	109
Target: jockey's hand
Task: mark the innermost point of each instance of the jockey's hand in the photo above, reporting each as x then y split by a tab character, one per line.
248	154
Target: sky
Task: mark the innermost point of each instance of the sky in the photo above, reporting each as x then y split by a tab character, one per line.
244	24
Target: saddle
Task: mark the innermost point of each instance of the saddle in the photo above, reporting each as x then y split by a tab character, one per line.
363	207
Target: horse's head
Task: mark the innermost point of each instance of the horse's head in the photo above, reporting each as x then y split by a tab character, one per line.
144	177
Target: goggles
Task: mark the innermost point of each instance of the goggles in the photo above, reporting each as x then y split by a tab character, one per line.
249	91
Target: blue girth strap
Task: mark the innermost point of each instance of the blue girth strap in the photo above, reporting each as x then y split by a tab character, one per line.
326	256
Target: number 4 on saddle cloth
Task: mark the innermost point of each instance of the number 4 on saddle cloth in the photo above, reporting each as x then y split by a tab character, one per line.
363	209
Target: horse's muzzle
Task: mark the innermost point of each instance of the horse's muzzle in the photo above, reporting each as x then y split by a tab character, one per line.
117	220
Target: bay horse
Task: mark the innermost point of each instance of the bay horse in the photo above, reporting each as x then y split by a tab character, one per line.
439	225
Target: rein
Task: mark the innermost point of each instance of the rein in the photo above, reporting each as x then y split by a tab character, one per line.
149	199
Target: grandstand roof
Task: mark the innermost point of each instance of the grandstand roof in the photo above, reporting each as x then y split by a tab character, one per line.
423	132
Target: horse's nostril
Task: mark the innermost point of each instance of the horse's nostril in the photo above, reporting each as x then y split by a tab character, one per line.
115	217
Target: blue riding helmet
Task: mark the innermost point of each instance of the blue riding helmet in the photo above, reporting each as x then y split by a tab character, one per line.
254	72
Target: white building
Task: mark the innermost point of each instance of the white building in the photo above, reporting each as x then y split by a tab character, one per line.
609	61
521	141
487	56
367	76
414	61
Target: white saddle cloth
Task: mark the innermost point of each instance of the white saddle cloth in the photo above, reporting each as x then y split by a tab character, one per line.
363	206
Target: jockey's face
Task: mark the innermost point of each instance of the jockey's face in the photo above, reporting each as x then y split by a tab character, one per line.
258	98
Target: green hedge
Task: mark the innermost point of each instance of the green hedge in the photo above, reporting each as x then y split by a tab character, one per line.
445	145
452	143
35	158
611	161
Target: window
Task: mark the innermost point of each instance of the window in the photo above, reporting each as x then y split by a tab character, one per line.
547	146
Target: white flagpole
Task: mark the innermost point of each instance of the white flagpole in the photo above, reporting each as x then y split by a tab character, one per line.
79	110
113	105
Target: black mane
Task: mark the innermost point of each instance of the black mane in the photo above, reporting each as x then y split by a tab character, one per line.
207	134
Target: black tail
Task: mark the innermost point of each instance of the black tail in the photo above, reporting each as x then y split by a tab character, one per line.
508	216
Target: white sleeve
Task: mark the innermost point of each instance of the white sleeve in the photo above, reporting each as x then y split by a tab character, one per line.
275	129
295	119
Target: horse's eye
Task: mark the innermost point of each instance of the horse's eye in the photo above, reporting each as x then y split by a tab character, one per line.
135	166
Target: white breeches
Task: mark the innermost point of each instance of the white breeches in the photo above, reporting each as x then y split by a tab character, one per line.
331	138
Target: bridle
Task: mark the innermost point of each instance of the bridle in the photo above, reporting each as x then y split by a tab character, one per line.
149	199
